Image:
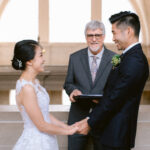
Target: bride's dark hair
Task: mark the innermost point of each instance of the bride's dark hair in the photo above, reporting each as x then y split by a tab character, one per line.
23	51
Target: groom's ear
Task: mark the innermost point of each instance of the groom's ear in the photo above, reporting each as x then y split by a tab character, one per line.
130	31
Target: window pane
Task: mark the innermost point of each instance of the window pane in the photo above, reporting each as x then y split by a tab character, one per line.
19	21
111	7
65	98
12	97
68	19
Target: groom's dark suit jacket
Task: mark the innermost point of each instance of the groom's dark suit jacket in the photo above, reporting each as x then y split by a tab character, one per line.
116	114
79	77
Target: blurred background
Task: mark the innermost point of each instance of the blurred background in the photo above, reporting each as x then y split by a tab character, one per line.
59	26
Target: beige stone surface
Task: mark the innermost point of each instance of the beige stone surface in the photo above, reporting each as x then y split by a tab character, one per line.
55	97
4	97
11	126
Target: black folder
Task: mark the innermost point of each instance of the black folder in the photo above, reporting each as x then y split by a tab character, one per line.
88	97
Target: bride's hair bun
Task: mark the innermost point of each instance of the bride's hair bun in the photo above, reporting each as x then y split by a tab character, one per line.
17	64
23	52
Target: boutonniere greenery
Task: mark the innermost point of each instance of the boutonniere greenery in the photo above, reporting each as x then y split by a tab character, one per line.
115	60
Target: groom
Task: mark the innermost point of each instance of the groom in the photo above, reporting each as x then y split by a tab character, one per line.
115	117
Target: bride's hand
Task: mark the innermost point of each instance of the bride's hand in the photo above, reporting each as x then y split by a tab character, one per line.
72	129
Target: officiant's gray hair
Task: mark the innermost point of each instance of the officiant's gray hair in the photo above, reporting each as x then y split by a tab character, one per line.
93	25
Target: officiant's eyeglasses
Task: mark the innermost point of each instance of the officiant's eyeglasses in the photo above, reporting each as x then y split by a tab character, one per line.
97	36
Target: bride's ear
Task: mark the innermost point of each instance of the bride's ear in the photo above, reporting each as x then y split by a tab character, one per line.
29	63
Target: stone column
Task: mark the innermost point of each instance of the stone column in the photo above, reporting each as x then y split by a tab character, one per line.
3	5
96	9
44	20
143	11
4	97
145	98
55	97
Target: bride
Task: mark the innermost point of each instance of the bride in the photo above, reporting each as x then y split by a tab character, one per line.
40	127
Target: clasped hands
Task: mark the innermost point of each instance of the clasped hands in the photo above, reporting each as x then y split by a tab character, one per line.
80	127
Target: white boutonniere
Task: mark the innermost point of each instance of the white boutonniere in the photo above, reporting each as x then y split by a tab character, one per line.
116	60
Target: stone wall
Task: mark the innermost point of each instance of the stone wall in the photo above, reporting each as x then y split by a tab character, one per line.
11	126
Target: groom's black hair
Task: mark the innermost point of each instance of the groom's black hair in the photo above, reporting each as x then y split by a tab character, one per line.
127	18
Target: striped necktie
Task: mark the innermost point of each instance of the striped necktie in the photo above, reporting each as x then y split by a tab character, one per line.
94	68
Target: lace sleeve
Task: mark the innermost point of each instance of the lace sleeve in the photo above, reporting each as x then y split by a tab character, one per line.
20	84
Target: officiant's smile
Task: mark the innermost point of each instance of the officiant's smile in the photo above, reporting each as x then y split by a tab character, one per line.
95	39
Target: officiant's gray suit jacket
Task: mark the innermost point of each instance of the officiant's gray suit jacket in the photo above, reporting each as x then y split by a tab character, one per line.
79	77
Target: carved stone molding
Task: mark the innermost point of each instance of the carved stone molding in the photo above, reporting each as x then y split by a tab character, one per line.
52	78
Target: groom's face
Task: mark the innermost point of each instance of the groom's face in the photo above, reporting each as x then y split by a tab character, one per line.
120	36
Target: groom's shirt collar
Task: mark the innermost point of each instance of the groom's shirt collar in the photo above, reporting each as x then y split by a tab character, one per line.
129	47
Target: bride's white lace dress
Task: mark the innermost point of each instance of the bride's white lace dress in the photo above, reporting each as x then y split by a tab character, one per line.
32	138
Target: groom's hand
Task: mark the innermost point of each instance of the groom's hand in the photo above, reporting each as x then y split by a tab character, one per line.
83	127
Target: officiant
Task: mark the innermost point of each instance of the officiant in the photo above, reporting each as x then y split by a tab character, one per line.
88	70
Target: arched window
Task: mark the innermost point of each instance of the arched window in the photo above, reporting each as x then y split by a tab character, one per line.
111	7
19	21
68	19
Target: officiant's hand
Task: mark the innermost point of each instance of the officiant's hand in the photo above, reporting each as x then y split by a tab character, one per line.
95	101
83	127
74	93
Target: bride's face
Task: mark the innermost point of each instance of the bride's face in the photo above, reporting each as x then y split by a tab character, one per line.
38	61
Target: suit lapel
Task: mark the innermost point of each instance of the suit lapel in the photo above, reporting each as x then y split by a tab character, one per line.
85	63
104	61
